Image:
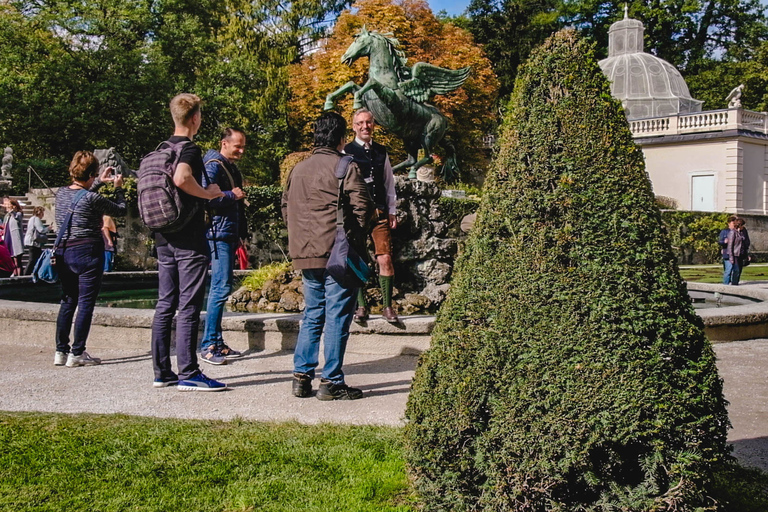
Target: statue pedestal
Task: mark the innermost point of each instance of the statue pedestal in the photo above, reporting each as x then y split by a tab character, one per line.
5	185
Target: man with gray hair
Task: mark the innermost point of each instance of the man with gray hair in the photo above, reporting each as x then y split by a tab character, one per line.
373	160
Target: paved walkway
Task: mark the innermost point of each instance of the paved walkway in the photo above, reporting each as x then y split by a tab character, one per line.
260	390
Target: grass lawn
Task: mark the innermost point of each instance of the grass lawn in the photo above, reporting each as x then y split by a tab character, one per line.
714	273
54	462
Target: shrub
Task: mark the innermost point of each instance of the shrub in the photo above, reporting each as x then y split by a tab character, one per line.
567	370
694	235
264	216
256	278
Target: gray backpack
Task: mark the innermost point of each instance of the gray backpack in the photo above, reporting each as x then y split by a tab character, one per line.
161	205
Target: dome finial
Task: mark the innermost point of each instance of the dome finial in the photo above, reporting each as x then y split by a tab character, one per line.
626	11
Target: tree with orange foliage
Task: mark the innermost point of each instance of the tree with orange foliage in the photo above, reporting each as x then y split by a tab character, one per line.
470	109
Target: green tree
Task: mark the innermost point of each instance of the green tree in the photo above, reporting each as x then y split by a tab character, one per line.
509	30
683	32
716	79
567	370
99	73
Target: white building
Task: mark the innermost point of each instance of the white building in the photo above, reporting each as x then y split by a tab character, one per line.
707	161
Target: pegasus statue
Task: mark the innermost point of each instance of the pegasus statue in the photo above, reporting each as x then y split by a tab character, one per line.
396	95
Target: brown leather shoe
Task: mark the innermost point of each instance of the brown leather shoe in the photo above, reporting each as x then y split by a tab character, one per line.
389	315
361	315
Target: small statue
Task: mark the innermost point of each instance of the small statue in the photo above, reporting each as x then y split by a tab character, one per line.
734	97
111	158
396	95
5	169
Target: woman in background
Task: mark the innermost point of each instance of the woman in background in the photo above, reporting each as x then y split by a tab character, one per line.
35	238
13	221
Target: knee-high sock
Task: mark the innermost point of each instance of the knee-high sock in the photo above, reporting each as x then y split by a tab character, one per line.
386	290
361	297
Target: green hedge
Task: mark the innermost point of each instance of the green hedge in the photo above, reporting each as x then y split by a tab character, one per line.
567	369
694	235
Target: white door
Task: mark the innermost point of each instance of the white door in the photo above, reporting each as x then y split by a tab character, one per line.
703	193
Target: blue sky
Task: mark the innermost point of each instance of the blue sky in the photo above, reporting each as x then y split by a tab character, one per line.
452	7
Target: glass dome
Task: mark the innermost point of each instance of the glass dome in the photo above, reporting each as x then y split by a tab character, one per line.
646	85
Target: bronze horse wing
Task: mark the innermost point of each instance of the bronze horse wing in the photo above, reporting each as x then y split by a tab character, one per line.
429	80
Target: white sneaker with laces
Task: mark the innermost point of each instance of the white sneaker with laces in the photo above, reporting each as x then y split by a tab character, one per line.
83	359
60	358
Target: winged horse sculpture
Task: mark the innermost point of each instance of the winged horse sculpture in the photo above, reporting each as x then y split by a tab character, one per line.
396	95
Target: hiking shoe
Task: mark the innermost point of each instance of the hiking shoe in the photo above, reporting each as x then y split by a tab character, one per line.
165	382
83	359
361	314
389	315
302	385
60	358
229	353
211	355
330	391
201	383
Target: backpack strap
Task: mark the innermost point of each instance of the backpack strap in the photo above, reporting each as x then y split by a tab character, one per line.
65	226
229	176
342	167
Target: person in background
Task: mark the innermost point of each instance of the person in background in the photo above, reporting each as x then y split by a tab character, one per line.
722	239
13	221
228	226
35	238
6	263
80	253
109	233
745	259
737	246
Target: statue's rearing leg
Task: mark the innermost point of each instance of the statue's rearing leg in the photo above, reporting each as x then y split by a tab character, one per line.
330	100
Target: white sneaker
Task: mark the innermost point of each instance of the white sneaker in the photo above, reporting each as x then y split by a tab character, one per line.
82	360
60	358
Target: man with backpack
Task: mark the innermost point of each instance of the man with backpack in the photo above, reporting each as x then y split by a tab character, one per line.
228	226
170	197
309	207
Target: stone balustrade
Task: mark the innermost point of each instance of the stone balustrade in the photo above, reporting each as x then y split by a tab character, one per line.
700	122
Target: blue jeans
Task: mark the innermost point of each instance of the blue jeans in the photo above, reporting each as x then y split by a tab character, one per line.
80	269
181	277
222	265
329	307
732	272
109	261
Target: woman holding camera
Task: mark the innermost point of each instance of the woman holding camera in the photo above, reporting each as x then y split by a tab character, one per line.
80	254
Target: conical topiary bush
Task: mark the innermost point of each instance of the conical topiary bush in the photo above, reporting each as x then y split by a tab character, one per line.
568	370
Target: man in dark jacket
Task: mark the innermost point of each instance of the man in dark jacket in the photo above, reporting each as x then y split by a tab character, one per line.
309	210
227	228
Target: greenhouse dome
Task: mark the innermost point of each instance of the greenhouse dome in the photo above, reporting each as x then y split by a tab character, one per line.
646	85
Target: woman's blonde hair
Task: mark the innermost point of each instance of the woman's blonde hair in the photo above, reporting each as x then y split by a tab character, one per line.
84	165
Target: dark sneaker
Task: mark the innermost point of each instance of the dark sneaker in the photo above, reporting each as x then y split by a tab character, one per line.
389	315
331	391
165	382
211	355
302	385
361	315
201	383
229	353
